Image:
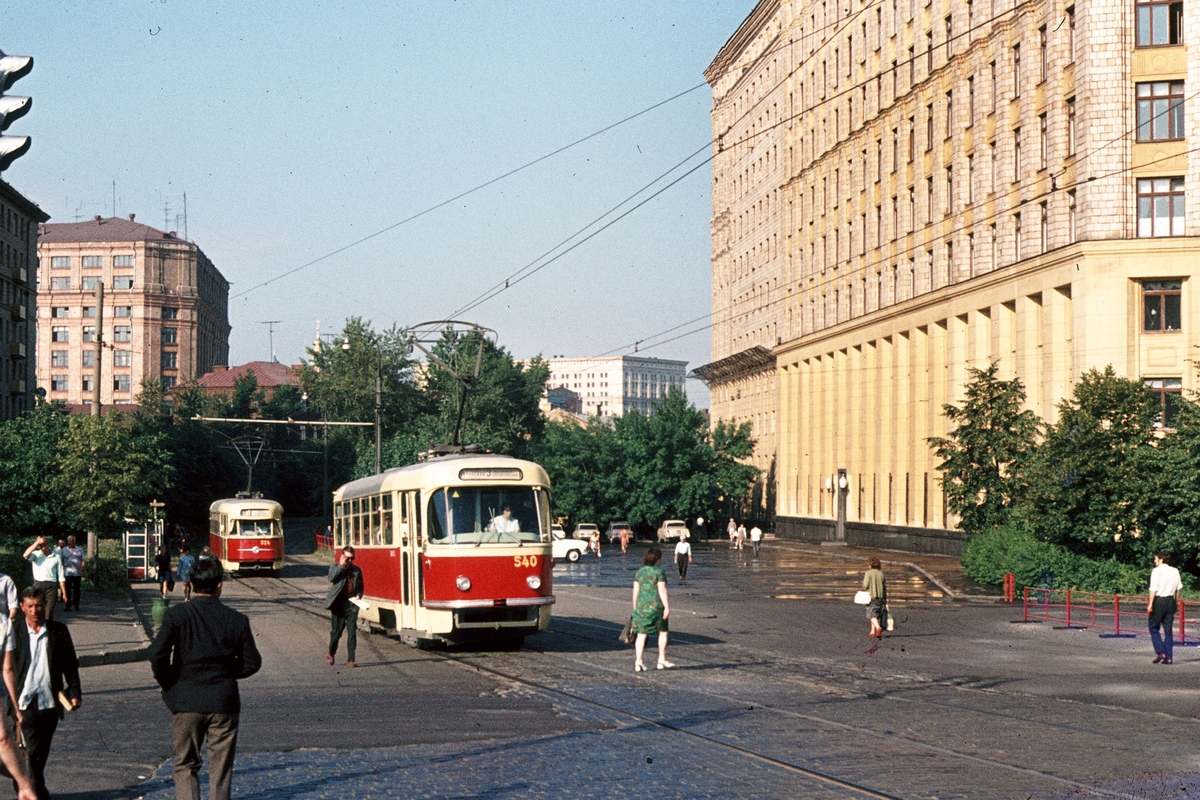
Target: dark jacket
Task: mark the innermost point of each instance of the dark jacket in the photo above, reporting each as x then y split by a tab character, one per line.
338	577
203	648
64	665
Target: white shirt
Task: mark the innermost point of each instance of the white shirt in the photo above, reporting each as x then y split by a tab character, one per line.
37	679
1164	581
8	593
46	567
683	548
502	525
755	533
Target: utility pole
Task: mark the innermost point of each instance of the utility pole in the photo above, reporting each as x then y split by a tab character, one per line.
99	349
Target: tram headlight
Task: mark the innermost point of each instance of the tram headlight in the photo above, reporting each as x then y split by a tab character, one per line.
463	583
534	582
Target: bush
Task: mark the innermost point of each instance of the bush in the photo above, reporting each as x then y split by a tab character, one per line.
990	554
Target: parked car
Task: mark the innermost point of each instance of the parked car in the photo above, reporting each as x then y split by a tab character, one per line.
564	547
615	528
672	529
584	531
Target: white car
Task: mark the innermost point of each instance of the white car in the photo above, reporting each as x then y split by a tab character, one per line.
672	529
563	547
585	530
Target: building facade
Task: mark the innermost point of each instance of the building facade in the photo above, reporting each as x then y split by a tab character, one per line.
165	314
610	386
19	220
905	189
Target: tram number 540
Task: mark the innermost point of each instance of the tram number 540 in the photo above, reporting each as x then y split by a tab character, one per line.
525	561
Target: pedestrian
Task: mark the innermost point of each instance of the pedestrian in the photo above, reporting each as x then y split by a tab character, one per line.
162	563
698	531
683	557
74	562
741	536
756	539
48	575
1160	606
41	673
651	609
595	542
731	530
202	650
347	580
874	584
187	562
624	540
8	596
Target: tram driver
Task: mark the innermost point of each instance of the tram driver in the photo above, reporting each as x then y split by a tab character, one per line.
505	523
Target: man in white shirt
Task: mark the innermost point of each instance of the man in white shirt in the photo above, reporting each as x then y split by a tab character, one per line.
756	539
683	557
1165	586
48	576
505	522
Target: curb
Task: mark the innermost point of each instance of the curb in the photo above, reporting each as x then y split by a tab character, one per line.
104	658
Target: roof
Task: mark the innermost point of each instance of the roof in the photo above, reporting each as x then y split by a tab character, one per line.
102	229
22	202
444	471
739	365
741	39
266	373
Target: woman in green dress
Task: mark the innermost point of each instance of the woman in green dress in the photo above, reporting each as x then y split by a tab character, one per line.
651	608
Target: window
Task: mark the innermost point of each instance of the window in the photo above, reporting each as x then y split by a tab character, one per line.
170	335
87	382
170	313
1018	164
1161	310
89	312
929	128
1016	71
58	383
1070	126
949	113
993	160
123	261
169	359
970	101
1071	216
60	312
60	284
59	358
912	139
121	383
1160	206
89	333
60	262
929	53
949	27
1016	237
995	85
168	384
92	262
91	283
60	333
1044	227
1071	34
1159	22
1043	52
89	357
1167	391
122	358
1160	111
123	333
1043	145
122	311
123	282
970	179
949	190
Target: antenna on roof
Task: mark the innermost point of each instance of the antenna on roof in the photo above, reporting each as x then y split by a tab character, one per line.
271	323
114	198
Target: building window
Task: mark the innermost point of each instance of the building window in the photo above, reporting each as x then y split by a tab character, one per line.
1018	162
89	333
60	312
970	101
1071	216
1016	71
89	357
1167	391
123	261
59	358
60	262
1160	206
1043	51
995	87
123	333
949	190
170	359
60	333
89	312
92	262
121	383
1070	126
122	358
949	114
1043	146
1071	34
60	284
169	382
87	382
58	383
170	335
170	313
970	179
122	311
1159	111
1161	310
1159	22
1016	237
123	282
91	283
1044	227
994	160
912	139
929	128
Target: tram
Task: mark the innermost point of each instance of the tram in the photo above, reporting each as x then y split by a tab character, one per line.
246	534
453	549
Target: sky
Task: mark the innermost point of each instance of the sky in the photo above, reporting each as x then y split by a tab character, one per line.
297	130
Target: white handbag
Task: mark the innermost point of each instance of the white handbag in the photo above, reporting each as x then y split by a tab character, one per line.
862	597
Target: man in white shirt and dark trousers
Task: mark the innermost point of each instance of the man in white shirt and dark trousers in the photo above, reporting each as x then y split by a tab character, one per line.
1165	586
48	577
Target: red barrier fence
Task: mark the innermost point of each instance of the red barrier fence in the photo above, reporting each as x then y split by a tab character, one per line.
1124	615
1010	587
324	537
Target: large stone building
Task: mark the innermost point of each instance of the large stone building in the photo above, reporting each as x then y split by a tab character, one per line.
19	219
609	386
904	189
165	314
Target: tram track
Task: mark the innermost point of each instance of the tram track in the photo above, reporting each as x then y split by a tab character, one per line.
285	592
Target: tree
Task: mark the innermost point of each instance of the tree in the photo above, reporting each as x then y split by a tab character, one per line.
1169	507
585	467
982	456
735	480
29	446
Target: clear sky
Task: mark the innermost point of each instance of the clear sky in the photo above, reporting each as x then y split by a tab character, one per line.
297	128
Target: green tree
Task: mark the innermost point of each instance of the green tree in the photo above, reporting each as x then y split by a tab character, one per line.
29	446
585	466
1169	507
983	454
734	479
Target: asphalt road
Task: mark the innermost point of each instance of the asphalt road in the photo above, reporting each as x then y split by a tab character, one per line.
777	692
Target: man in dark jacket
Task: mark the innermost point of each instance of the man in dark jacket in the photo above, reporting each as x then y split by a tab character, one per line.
42	677
347	581
202	650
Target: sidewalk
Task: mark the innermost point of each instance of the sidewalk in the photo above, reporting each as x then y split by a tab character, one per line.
106	630
945	572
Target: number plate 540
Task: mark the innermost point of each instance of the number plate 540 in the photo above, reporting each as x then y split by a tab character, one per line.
525	561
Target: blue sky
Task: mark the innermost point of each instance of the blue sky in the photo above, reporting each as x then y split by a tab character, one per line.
296	128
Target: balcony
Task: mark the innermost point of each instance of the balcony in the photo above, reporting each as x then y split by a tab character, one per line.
16	349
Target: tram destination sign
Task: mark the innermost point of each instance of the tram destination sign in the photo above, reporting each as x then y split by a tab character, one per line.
256	512
490	474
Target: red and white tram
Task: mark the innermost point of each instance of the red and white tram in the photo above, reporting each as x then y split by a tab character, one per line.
246	534
453	549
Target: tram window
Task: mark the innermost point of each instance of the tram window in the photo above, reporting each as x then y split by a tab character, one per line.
252	527
376	521
337	532
386	519
475	515
356	531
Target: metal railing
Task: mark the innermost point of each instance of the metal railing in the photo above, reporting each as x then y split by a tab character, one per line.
1123	615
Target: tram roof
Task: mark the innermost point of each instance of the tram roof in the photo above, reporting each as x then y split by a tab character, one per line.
232	504
440	471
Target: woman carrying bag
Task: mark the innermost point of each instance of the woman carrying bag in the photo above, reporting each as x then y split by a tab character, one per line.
876	588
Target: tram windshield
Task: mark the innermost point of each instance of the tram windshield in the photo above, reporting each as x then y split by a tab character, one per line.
255	527
488	515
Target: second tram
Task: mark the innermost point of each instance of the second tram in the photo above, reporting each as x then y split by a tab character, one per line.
453	549
246	534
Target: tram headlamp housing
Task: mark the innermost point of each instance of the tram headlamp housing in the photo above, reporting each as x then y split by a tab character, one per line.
463	583
534	582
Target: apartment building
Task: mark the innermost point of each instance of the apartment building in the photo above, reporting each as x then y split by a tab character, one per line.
165	314
614	385
904	189
19	218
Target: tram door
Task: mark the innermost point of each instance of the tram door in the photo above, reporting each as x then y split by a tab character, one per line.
409	545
